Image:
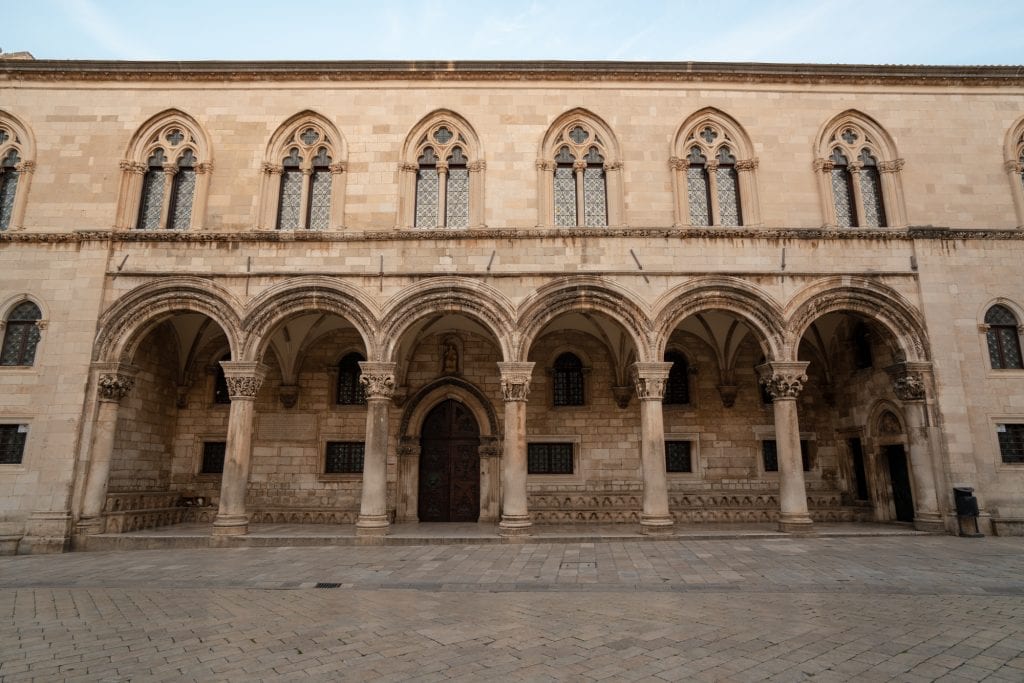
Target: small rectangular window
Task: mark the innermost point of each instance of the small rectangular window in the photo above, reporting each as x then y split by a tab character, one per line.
1011	442
12	444
770	455
213	457
344	457
549	458
677	456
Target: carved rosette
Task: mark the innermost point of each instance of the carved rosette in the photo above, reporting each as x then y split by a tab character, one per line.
114	386
515	380
378	379
783	380
649	380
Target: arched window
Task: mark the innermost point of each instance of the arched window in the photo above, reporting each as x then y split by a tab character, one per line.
21	335
442	174
16	168
714	172
579	174
677	388
350	391
1003	338
221	395
303	176
567	381
1015	167
859	174
164	178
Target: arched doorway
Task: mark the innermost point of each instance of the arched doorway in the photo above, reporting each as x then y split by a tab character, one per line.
890	435
449	481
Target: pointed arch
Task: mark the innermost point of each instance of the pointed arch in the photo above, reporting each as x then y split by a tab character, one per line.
441	183
17	164
858	170
304	167
714	171
165	174
22	320
579	173
1013	153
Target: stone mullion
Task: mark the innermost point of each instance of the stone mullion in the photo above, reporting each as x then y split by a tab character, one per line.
304	198
909	387
679	185
578	169
407	195
649	381
170	170
442	195
515	387
378	379
785	381
545	193
613	193
711	171
113	383
244	379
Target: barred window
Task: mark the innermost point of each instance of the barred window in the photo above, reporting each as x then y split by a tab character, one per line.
16	164
8	183
677	456
1003	338
770	455
568	380
300	175
221	395
344	457
170	180
12	444
842	190
698	188
442	179
21	335
350	391
565	189
714	161
213	457
871	190
579	182
677	389
549	458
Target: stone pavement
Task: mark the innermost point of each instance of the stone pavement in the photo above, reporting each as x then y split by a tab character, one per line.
910	608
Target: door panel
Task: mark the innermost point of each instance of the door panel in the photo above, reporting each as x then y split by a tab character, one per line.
449	488
900	477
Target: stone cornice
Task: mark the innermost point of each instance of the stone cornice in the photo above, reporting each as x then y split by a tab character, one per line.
320	71
419	234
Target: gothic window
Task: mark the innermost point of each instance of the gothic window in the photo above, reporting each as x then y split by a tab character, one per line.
12	444
344	457
221	395
567	380
579	174
21	335
1003	337
444	172
16	167
1015	167
714	172
677	388
549	458
859	174
164	180
350	391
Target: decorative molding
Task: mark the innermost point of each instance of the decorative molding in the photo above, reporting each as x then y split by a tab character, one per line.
114	387
244	378
378	379
783	380
243	387
891	166
908	380
515	380
649	379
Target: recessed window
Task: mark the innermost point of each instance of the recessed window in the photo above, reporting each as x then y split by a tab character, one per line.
21	336
1002	338
567	380
677	389
1011	442
9	176
678	457
221	395
770	455
549	458
350	391
12	444
213	457
344	457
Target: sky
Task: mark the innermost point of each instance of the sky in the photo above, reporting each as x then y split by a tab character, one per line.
814	31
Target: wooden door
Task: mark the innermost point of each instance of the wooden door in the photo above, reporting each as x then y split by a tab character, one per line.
449	489
900	478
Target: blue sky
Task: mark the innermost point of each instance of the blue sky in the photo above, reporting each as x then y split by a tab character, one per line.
822	31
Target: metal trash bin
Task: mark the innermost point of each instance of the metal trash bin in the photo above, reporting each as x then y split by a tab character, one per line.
966	508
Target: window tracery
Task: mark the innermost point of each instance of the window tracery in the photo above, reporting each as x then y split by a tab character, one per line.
21	334
1015	168
16	166
1002	337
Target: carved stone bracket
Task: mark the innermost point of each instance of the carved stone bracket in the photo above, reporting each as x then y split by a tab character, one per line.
728	393
891	166
378	379
908	380
649	380
783	380
114	387
747	164
623	395
289	395
515	380
244	378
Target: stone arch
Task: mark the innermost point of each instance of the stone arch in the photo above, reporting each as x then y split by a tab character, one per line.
587	118
144	141
755	306
882	142
438	117
1013	162
431	394
872	300
879	417
127	322
1016	308
10	303
583	294
306	295
335	141
17	157
479	301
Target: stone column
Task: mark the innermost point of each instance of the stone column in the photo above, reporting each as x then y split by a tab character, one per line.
113	383
378	379
909	387
244	379
649	380
785	381
515	387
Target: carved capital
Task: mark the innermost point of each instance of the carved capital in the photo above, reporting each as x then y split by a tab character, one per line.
114	387
408	168
891	166
272	169
170	169
783	380
27	166
477	166
338	167
677	164
613	166
244	378
823	165
515	380
747	164
649	380
579	165
544	165
125	164
1014	166
204	167
378	379
908	380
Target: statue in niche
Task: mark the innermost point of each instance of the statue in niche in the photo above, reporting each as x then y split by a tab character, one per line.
450	359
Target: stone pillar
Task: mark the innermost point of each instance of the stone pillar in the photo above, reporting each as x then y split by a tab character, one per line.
649	380
909	387
378	379
784	381
408	479
515	387
490	478
113	383
244	379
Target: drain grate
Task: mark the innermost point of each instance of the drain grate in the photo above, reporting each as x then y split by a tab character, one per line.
328	585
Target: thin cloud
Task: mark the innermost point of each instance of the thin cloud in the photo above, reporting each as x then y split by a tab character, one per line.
105	32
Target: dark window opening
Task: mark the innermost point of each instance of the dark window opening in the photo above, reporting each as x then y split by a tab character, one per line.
568	380
221	395
344	457
862	358
21	335
12	444
770	455
549	458
860	476
350	390
677	456
1011	442
677	389
1003	339
213	457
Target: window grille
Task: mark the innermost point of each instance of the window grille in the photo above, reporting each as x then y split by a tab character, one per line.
21	336
595	196
213	457
871	191
12	444
568	380
565	189
549	458
677	456
350	389
344	457
1003	338
8	185
698	188
727	180
842	191
457	192
1011	442
152	202
291	192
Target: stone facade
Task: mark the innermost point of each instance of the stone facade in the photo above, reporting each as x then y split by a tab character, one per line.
607	213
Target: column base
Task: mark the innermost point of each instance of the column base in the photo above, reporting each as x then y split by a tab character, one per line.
372	525
514	525
796	524
930	522
90	526
231	525
656	525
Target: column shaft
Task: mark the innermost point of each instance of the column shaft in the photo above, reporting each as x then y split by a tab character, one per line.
649	380
793	513
515	386
244	379
378	379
